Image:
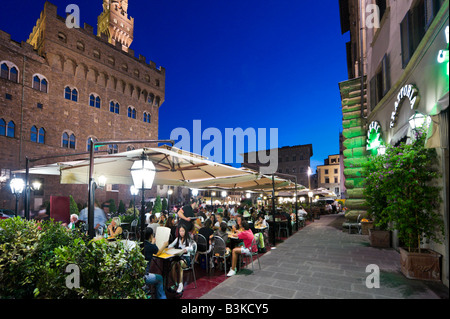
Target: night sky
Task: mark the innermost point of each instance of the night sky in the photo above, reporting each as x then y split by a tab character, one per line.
234	63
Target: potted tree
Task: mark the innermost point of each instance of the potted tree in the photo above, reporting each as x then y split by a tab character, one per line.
409	202
375	196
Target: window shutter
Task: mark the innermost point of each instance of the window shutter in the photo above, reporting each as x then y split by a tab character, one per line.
405	33
430	7
418	25
373	92
385	69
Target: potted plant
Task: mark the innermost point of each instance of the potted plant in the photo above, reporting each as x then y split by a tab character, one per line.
401	196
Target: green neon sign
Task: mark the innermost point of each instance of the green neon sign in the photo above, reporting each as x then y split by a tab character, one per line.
374	141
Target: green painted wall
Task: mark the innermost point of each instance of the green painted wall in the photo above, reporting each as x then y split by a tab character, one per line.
355	154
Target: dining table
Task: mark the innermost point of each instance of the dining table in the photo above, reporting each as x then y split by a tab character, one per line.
166	257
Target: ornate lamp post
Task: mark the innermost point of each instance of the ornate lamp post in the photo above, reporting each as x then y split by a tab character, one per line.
17	186
143	173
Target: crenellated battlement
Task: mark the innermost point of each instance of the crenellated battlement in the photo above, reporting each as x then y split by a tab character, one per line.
72	37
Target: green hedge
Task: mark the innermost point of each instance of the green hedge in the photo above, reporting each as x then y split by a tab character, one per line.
34	257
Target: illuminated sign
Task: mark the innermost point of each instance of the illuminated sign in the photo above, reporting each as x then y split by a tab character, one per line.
443	54
374	140
408	91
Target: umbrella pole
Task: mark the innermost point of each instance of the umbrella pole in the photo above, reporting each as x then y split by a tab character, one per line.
273	211
143	207
91	199
296	207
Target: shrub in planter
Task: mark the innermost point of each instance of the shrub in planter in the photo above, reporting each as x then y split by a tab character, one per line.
34	257
400	192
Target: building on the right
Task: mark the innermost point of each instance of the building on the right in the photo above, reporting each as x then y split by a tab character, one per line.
328	175
398	68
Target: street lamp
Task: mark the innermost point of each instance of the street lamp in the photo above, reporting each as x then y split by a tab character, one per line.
17	186
194	192
169	195
102	181
417	121
143	173
310	195
36	185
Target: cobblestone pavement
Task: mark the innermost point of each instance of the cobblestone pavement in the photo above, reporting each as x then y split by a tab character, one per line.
322	262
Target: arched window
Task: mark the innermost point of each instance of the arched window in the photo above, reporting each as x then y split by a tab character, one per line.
71	94
2	127
97	102
65	140
130	148
113	149
41	136
14	74
147	117
88	147
114	107
157	101
40	83
36	83
67	93
4	71
9	71
92	100
44	85
34	134
74	95
131	112
10	130
72	141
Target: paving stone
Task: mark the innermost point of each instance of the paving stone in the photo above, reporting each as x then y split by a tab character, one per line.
322	262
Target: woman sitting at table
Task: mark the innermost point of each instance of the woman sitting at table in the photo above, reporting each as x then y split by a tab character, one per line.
261	222
114	228
236	229
247	236
184	242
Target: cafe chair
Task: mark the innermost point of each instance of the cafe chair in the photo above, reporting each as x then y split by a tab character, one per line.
191	266
125	234
202	248
133	228
252	254
220	251
356	225
283	226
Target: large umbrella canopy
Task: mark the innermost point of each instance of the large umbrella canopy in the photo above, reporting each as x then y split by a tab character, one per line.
318	191
173	167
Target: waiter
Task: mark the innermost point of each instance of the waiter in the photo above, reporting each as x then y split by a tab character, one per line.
185	213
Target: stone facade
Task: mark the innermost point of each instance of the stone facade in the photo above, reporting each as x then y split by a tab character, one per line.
329	174
292	160
66	80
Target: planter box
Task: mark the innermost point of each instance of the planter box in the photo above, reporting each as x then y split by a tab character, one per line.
423	266
365	227
380	238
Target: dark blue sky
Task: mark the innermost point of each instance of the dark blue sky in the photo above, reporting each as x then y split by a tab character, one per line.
233	63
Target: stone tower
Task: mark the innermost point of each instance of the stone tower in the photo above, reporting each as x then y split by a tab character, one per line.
115	23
